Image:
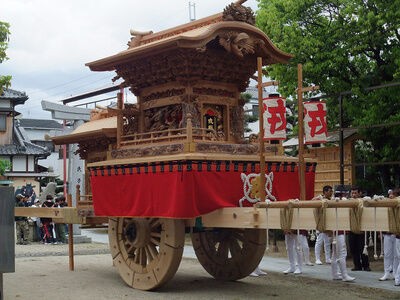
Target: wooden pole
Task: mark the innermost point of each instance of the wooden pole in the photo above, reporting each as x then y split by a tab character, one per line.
302	174
261	134
1	286
70	238
120	124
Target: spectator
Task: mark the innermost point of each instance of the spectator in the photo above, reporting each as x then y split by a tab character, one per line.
35	221
357	242
60	227
47	226
21	223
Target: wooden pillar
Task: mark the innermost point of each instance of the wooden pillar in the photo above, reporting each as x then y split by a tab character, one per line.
261	134
120	117
302	178
70	238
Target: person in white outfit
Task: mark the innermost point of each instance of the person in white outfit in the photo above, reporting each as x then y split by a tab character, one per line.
339	254
397	271
304	246
396	258
322	237
294	252
390	257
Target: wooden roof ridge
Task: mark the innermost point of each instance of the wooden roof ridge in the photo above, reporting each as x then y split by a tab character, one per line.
146	39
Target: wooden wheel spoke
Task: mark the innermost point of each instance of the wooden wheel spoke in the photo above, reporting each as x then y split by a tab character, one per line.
154	223
238	236
223	249
152	251
235	247
143	257
131	249
136	257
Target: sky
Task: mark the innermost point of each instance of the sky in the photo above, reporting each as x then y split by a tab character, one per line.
52	40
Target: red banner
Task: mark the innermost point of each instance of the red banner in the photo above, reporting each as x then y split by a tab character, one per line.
315	127
185	190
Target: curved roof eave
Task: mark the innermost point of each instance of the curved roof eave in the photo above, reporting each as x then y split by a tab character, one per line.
189	39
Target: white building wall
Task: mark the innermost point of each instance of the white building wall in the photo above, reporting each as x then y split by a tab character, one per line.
31	164
19	163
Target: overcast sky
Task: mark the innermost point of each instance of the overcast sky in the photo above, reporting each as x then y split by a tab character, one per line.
51	40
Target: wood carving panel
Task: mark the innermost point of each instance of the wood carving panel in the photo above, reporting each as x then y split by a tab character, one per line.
188	65
163	118
147	151
94	146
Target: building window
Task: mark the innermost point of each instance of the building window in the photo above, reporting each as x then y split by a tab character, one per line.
3	122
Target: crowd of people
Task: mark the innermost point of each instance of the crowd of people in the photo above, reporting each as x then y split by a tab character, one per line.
39	229
334	245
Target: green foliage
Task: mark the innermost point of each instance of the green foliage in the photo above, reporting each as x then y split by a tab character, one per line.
4	38
344	45
5	165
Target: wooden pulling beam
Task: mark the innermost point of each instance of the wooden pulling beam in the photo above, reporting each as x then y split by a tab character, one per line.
374	215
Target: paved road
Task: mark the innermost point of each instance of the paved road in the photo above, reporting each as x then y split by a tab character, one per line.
273	264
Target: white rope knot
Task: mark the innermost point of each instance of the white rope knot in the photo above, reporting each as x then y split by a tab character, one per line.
250	183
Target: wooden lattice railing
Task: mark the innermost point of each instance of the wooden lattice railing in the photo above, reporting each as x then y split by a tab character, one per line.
83	201
187	134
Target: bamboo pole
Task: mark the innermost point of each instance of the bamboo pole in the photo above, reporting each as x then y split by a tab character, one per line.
302	179
261	134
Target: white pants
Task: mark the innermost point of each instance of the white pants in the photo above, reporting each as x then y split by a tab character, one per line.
339	254
294	252
322	238
397	271
304	246
390	259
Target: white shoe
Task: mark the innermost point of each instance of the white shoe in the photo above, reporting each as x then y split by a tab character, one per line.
290	270
254	274
386	276
309	263
260	272
328	262
318	262
337	277
348	278
297	271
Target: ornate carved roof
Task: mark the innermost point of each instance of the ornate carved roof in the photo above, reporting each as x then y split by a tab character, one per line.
233	30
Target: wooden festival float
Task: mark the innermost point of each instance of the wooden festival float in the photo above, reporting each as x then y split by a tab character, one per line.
177	160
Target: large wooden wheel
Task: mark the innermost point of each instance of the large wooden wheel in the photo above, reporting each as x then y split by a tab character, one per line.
146	251
229	253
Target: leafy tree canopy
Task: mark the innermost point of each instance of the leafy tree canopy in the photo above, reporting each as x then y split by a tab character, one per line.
343	45
4	35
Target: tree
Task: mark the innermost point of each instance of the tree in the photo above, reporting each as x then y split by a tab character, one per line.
344	45
5	165
5	80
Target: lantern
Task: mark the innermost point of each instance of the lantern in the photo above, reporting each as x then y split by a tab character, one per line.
274	115
315	127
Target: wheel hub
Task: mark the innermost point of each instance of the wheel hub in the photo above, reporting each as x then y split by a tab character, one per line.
137	233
